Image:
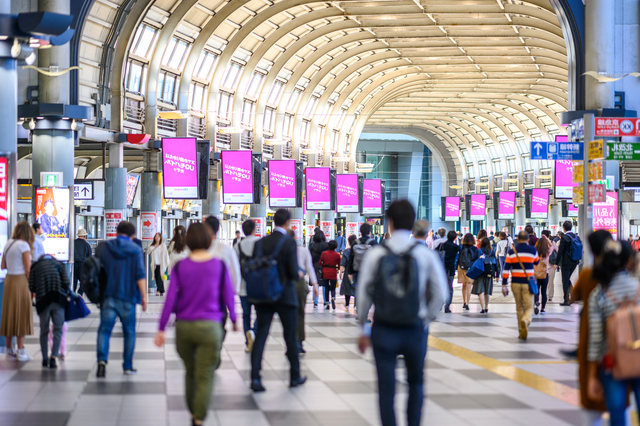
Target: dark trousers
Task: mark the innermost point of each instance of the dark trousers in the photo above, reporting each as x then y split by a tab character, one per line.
159	283
246	315
450	284
542	285
389	342
288	317
566	280
302	289
75	286
329	290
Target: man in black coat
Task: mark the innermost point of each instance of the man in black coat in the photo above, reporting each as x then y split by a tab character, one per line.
285	307
566	265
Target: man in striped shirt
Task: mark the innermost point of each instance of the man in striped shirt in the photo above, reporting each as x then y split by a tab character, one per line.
519	279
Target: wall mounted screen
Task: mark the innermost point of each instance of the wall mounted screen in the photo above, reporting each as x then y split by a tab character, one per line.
282	183
179	168
507	206
237	177
52	213
572	210
347	193
318	189
478	207
539	203
372	197
452	209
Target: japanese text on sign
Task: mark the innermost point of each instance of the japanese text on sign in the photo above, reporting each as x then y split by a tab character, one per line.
236	173
179	164
282	180
317	185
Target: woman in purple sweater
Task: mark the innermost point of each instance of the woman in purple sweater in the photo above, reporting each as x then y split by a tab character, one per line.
198	284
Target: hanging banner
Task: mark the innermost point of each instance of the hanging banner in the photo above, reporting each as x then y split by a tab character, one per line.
452	209
318	188
237	177
296	227
507	206
347	193
539	203
260	226
149	222
282	183
111	220
372	197
132	187
478	207
327	229
52	213
605	215
179	168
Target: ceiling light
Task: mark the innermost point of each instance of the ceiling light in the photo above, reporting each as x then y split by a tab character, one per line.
172	115
341	159
229	130
308	151
274	142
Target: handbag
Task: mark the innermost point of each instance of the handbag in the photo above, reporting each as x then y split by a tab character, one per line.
476	269
76	308
533	282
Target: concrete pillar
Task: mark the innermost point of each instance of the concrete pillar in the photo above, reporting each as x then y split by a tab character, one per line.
115	192
599	52
328	216
555	213
521	217
211	206
151	198
491	222
297	219
54	89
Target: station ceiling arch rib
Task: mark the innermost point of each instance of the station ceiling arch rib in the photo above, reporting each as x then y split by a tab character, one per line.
483	77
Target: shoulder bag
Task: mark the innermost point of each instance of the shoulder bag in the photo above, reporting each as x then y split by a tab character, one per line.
533	282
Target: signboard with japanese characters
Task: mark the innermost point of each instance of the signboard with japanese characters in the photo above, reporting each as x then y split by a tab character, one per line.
617	127
622	151
149	225
111	220
83	190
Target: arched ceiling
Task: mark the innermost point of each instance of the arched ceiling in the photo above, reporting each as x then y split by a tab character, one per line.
484	77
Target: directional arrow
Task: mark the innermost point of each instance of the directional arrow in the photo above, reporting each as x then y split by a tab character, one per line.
146	223
85	191
537	147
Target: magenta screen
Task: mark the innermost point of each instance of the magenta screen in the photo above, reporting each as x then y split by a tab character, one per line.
318	188
507	206
347	193
237	177
372	197
179	168
282	183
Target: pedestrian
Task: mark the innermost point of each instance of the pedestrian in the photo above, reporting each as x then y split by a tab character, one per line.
362	246
125	287
237	239
201	286
553	260
442	238
566	263
317	247
532	235
49	281
286	306
244	249
635	244
347	287
342	242
17	318
482	234
616	285
541	271
430	236
177	246
502	248
387	235
421	232
401	318
330	263
451	252
159	261
38	242
519	264
81	252
483	285
468	254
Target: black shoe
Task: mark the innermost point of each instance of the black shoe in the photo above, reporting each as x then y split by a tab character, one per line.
256	386
467	307
297	382
447	310
536	310
333	303
52	363
569	353
102	369
302	351
130	372
483	311
45	363
565	304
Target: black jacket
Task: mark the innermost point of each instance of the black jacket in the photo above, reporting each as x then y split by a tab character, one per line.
564	259
316	250
287	264
49	281
368	240
81	250
468	255
451	251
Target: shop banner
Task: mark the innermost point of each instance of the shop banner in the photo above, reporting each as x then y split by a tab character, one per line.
317	188
605	215
111	220
347	193
52	213
452	209
237	177
282	183
296	227
564	180
149	222
539	203
260	225
179	168
478	207
507	206
327	229
372	197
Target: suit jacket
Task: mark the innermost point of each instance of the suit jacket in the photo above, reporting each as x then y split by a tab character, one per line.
287	264
563	258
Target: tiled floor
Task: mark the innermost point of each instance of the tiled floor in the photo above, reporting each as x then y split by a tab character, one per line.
478	374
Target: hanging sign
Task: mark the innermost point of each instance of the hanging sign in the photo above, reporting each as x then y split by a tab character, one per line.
149	225
596	150
260	226
621	151
616	127
83	190
111	220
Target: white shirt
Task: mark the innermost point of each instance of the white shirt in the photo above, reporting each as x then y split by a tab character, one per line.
38	247
13	257
500	248
439	241
247	246
306	263
228	255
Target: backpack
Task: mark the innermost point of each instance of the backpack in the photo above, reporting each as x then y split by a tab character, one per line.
623	337
441	251
553	257
541	270
467	256
576	249
262	275
358	251
93	278
396	289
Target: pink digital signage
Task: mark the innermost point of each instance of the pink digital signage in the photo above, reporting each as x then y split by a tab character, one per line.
572	210
179	168
318	188
507	206
605	215
452	209
237	177
282	183
477	207
372	197
347	193
539	203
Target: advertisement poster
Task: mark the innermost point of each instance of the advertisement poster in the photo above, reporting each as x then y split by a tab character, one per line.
309	230
351	229
296	226
507	206
539	203
111	220
478	207
572	210
347	193
491	229
282	183
132	187
564	180
179	168
465	230
327	229
317	188
260	225
605	215
237	177
372	197
52	213
452	209
149	222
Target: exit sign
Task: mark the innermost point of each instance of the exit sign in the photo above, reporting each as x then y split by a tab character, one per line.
50	179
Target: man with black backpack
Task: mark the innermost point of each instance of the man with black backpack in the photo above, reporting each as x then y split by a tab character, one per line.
362	245
569	256
406	283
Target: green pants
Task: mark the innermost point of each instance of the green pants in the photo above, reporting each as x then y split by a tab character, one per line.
302	289
198	344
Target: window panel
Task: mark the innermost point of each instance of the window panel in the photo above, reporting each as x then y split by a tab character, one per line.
276	92
471	171
178	53
145	38
248	112
293	100
305	130
483	169
231	78
224	104
287	125
527	163
204	66
507	149
269	119
311	105
497	168
196	96
511	164
254	84
136	75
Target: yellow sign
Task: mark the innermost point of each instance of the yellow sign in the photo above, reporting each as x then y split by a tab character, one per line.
596	150
578	172
578	195
596	172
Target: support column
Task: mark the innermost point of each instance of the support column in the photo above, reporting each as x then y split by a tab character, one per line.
297	224
554	218
309	223
211	206
328	217
352	226
599	17
54	89
521	219
115	192
150	205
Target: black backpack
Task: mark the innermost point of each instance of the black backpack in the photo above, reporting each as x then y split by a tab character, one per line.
262	275
396	289
93	279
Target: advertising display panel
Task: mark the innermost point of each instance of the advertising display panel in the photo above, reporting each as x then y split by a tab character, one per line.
452	209
605	215
507	206
572	209
539	203
347	193
237	177
179	168
372	197
132	187
478	207
564	180
282	183
52	213
318	188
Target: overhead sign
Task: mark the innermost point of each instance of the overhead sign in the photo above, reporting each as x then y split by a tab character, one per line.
622	151
540	203
372	197
564	179
452	209
179	168
237	177
149	225
477	206
318	189
507	205
577	128
83	191
557	151
347	193
596	150
282	183
597	193
50	179
617	127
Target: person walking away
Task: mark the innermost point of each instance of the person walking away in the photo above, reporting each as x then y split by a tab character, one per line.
553	260
617	289
541	272
330	263
49	281
482	234
38	241
126	286
342	242
286	306
502	248
532	235
362	245
519	264
569	257
483	285
421	233
430	237
317	247
81	252
347	287
159	261
406	283
177	246
451	252
201	285
635	244
17	318
305	265
468	254
237	239
244	250
442	238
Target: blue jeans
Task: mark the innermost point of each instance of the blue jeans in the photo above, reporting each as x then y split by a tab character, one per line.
110	310
501	261
246	315
615	395
388	342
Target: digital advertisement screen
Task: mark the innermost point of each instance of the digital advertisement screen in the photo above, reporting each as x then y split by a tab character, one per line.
52	213
372	197
318	188
347	193
452	209
562	138
564	180
237	177
572	210
132	187
539	203
507	206
179	168
282	183
605	215
478	207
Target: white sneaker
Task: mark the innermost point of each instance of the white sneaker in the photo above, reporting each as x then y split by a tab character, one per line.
10	353
23	356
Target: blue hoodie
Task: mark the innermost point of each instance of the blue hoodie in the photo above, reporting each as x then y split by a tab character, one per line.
124	263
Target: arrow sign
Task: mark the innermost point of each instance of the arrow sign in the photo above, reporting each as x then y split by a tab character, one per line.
537	147
146	223
83	190
557	151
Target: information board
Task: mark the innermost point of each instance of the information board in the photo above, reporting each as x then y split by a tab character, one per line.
564	180
52	213
452	209
318	188
539	203
478	207
507	206
372	197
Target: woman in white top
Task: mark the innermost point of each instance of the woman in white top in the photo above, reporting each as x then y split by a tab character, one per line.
159	261
17	318
177	246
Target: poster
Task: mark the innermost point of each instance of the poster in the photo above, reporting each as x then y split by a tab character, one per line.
52	213
477	207
605	215
351	229
452	209
465	230
260	226
491	229
309	230
282	183
572	209
132	187
111	220
317	188
149	222
554	229
296	227
327	229
372	197
539	203
564	180
179	168
507	206
347	193
237	177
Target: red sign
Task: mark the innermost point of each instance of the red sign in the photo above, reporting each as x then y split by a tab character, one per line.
605	215
260	222
606	126
4	183
112	219
149	225
597	194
